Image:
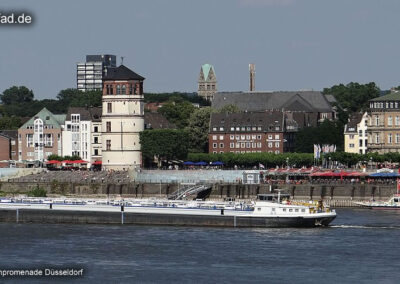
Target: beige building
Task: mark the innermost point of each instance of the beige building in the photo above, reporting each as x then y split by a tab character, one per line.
355	134
122	119
207	83
384	124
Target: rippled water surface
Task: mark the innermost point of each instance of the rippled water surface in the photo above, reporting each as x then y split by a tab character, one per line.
361	246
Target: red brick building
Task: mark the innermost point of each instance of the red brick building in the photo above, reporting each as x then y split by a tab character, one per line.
247	132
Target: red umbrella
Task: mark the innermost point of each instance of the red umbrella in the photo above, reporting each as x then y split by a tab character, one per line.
52	162
67	162
97	163
79	162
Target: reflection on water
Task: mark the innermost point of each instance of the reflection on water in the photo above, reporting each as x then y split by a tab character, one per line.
360	246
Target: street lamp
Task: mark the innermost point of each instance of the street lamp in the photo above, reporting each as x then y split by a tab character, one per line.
330	163
370	160
287	162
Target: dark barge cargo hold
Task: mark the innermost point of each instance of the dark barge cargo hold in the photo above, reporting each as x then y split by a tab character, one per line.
266	212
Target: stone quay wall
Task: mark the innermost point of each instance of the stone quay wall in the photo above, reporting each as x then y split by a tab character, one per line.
219	190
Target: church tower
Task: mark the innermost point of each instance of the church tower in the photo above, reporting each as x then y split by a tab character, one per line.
207	83
122	119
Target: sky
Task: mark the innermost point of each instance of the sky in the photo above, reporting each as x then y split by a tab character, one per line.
295	44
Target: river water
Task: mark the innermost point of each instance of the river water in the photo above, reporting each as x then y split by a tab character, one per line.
361	246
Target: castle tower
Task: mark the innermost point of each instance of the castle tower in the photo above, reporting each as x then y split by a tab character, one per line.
122	118
207	83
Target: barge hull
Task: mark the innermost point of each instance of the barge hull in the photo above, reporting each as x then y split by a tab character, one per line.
135	218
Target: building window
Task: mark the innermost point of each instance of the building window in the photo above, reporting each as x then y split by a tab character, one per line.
276	136
123	90
377	138
269	136
214	145
397	138
108	145
277	144
277	152
259	145
253	137
96	129
130	89
237	145
360	143
247	137
96	152
96	140
242	137
351	136
118	89
232	128
248	145
108	126
221	145
109	107
258	137
237	137
389	138
259	128
221	137
237	128
232	145
214	129
214	137
390	121
269	144
232	137
376	120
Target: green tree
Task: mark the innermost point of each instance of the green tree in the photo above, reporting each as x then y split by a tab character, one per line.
164	144
16	94
10	123
229	109
198	127
328	132
178	112
354	96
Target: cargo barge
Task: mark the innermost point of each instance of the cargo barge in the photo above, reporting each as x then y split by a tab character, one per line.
268	211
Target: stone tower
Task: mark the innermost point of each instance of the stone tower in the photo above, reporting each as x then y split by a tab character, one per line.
207	83
122	118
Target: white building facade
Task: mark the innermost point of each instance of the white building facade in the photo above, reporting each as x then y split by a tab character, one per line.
122	119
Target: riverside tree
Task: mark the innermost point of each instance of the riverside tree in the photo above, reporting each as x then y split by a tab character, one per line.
164	145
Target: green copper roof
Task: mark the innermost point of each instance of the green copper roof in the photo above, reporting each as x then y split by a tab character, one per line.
388	97
48	119
206	69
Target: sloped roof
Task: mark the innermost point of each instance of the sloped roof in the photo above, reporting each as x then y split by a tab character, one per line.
121	73
95	113
155	120
395	96
56	120
310	101
82	111
354	119
13	134
206	70
263	119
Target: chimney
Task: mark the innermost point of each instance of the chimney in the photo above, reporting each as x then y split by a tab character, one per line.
252	69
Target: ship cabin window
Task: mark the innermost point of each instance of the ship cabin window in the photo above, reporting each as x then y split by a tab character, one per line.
395	200
284	209
290	210
296	210
303	210
273	209
258	208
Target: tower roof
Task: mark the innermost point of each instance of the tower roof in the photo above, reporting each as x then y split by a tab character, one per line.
206	69
121	73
